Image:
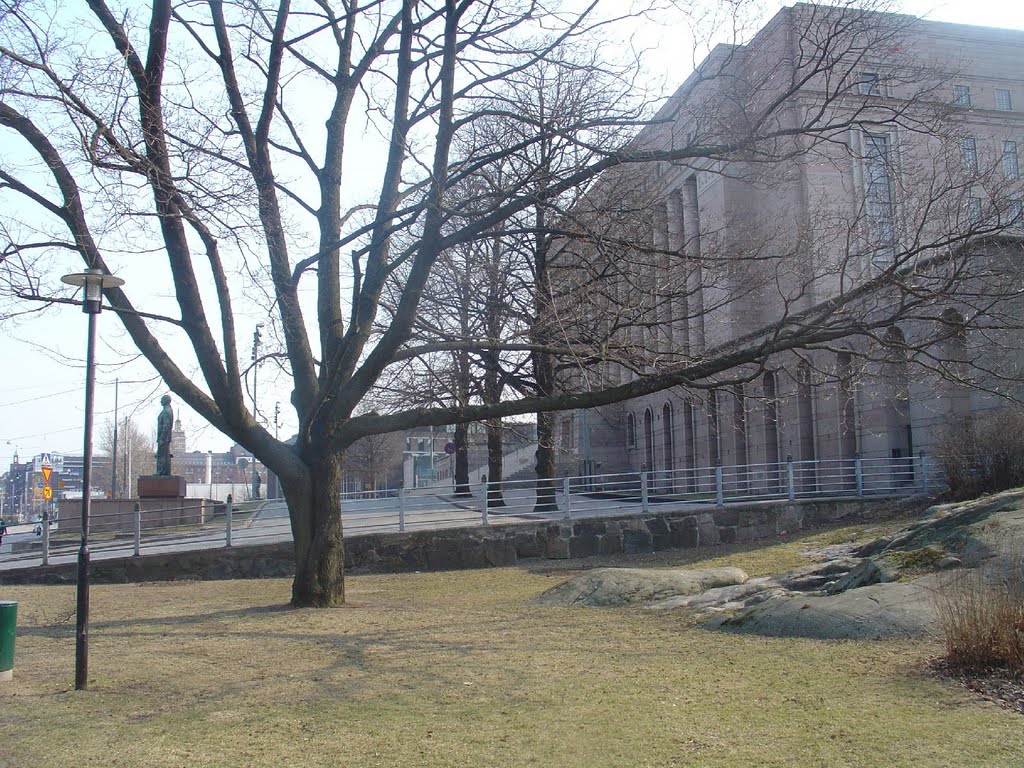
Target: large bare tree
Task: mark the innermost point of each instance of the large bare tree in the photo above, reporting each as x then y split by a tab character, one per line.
223	138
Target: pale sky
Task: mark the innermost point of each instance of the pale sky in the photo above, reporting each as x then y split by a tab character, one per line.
42	387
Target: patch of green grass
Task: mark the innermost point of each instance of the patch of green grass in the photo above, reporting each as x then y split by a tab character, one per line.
913	562
461	669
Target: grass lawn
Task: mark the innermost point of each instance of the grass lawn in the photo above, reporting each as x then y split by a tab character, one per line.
460	669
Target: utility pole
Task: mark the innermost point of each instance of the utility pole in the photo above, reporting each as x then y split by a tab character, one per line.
113	453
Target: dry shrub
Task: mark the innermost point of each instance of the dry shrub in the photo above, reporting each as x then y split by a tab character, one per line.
983	453
982	618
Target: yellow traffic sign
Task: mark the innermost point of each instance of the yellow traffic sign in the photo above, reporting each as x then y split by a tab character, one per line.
47	492
47	471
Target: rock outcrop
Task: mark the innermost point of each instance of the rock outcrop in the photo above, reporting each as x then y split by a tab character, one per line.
885	588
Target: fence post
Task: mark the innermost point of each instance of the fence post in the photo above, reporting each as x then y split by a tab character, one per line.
719	490
228	514
790	485
643	491
137	527
483	506
568	501
924	472
46	537
858	472
401	506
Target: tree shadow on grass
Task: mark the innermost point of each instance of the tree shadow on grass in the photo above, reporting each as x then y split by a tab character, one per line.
66	625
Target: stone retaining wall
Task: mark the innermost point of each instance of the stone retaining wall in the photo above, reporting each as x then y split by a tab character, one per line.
476	547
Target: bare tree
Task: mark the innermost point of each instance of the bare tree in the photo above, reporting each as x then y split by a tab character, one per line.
198	128
135	454
375	461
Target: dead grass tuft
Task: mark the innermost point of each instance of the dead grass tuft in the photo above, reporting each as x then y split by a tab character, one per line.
982	615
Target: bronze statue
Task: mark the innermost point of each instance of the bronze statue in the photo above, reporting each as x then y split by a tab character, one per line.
164	426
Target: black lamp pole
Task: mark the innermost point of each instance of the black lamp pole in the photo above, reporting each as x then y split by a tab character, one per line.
94	281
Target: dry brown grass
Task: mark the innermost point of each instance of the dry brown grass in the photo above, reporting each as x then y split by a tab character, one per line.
982	615
461	669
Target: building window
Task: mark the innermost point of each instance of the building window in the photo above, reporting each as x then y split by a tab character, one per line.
1015	214
648	440
974	210
1003	101
962	95
879	198
668	436
1011	167
868	84
714	430
969	149
630	431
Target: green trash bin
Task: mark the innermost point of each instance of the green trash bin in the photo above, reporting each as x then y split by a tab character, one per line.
8	621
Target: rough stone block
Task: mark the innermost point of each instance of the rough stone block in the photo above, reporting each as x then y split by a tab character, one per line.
160	487
658	526
590	528
557	549
529	545
610	544
726	517
636	540
707	531
685	537
500	552
789	519
584	546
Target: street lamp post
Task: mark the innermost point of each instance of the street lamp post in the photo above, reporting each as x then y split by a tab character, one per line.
256	338
93	281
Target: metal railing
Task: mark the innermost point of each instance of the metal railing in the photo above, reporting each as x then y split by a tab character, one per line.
171	528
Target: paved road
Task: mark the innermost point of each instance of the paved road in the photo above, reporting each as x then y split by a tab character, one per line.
267	522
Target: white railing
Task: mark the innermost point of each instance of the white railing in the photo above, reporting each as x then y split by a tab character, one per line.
214	525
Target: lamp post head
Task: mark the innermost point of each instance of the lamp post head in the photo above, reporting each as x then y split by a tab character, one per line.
94	281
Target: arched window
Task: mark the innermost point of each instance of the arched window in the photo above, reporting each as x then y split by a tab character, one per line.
771	426
648	440
896	381
690	443
714	430
739	433
846	389
953	349
668	440
805	416
630	431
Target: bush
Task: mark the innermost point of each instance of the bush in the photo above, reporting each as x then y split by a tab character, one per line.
983	453
982	618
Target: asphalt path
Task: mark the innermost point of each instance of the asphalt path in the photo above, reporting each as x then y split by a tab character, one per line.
267	522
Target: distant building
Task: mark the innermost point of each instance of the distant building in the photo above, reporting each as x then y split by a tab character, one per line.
23	497
752	239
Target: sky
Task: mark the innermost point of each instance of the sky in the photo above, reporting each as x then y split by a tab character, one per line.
42	357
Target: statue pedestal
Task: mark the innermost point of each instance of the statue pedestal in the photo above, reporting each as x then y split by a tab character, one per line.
161	487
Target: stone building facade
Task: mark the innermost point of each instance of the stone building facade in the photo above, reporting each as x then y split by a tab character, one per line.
746	241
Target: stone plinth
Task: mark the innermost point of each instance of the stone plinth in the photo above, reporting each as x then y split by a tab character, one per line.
161	487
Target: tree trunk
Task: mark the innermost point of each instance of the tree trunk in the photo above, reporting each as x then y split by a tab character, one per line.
495	463
546	463
314	505
462	460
